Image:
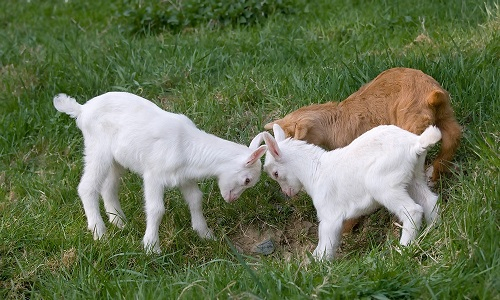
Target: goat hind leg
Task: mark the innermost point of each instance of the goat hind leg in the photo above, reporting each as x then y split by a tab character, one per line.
410	213
427	200
109	192
94	173
451	134
155	209
422	194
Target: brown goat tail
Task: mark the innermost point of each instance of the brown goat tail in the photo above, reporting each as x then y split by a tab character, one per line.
437	98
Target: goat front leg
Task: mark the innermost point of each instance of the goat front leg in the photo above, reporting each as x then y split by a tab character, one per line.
193	197
155	209
329	234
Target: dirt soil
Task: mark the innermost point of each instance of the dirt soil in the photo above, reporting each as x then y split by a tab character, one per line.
299	236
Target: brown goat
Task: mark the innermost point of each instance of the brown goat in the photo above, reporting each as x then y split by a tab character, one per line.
407	98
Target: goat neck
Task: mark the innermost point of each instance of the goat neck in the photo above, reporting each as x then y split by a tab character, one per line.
210	155
304	160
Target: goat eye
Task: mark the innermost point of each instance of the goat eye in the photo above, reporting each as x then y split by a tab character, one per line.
275	174
247	181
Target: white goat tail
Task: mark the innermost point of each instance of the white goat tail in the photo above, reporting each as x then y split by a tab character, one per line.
68	105
428	138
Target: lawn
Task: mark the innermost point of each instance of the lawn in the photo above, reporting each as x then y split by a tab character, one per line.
231	75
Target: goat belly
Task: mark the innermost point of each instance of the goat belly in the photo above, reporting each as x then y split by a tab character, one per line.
362	210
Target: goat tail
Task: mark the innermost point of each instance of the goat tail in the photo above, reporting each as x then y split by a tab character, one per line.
68	105
438	97
428	138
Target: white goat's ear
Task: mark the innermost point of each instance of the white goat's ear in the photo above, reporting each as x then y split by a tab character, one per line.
279	134
257	140
256	155
272	145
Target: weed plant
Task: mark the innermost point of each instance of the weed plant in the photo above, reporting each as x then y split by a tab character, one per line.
176	16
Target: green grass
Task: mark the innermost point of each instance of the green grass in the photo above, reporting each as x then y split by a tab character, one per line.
230	81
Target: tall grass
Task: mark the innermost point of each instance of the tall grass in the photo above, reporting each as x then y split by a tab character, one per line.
230	81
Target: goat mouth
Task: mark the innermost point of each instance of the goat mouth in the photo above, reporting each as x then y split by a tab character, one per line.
230	197
289	192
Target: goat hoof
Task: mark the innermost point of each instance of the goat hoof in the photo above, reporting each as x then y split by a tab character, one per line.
98	231
118	222
206	234
152	248
320	255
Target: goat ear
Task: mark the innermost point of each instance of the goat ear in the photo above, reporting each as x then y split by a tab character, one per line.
272	145
257	140
256	155
279	134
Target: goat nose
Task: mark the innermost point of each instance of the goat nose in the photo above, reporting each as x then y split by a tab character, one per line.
232	196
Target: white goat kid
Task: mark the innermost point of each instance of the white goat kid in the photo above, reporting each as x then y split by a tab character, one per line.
122	130
382	167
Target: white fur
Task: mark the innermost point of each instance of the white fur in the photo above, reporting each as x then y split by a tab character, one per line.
122	130
382	167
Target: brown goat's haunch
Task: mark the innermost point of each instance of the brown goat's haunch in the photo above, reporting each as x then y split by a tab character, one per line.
404	97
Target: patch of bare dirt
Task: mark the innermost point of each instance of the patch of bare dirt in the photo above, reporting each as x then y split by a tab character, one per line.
423	38
299	236
295	238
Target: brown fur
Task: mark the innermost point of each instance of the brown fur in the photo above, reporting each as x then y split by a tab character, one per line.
404	97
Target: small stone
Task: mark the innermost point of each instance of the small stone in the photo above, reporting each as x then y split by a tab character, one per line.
265	247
